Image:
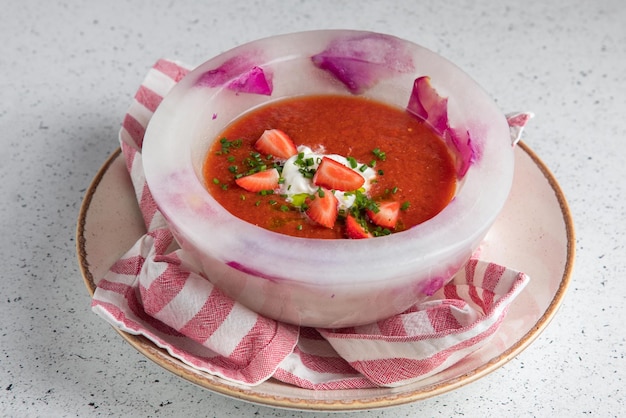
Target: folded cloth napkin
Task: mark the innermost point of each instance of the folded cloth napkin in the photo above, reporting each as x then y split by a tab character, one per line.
153	291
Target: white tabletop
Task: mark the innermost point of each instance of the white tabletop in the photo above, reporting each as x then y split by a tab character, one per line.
68	70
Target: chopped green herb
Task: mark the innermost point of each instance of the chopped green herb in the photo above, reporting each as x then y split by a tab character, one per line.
379	232
254	163
361	204
405	205
352	161
307	173
306	165
379	154
226	145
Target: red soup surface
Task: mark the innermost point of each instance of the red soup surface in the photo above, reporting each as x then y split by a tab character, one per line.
412	163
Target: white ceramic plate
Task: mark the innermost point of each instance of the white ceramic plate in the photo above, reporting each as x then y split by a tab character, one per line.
534	234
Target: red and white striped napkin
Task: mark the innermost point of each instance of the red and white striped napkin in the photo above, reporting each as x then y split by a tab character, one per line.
152	291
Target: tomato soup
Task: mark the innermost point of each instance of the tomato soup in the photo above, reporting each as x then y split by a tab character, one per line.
402	160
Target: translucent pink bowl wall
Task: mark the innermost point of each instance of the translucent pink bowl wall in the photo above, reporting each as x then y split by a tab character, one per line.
323	283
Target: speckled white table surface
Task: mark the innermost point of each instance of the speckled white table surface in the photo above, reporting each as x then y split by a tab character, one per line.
67	72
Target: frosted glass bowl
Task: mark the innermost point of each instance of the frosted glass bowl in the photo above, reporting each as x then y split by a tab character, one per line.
327	283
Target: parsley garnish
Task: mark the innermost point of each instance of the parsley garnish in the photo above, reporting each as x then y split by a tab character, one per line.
227	145
382	156
306	165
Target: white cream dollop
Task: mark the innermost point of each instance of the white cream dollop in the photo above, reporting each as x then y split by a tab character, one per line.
296	183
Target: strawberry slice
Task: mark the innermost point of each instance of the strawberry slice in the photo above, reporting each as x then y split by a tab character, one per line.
387	215
355	230
276	143
323	209
333	175
263	180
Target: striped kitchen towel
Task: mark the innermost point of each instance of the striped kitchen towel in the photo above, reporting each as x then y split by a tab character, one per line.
154	291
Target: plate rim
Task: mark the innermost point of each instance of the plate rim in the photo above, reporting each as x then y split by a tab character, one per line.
160	356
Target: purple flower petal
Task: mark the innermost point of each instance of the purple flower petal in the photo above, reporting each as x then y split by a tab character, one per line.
360	62
225	72
428	105
461	141
432	286
238	74
248	270
253	81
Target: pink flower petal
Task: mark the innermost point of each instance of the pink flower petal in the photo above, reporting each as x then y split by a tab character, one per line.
251	271
517	121
360	62
433	285
427	104
238	74
253	81
230	69
466	152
